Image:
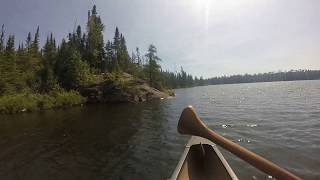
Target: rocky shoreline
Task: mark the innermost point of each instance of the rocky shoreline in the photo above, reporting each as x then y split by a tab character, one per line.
104	89
131	90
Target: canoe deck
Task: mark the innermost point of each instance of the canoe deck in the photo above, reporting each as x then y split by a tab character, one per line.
202	160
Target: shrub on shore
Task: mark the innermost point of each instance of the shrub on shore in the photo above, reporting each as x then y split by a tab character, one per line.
16	103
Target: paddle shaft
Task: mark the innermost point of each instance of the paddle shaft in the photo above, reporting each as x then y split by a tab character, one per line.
250	157
190	123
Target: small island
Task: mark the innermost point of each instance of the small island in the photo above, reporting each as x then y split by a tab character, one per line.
80	69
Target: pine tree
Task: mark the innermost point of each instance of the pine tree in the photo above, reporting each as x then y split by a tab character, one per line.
94	10
10	50
83	45
35	43
95	44
116	41
183	78
32	61
124	55
29	43
2	39
80	41
11	77
48	81
109	57
138	57
71	71
152	67
120	50
79	33
69	65
116	46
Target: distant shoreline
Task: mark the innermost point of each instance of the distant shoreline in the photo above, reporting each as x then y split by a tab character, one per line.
293	75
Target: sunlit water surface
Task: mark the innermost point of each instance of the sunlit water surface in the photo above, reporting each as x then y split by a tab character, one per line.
278	120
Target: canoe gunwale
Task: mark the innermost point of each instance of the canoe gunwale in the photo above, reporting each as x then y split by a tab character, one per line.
180	163
194	140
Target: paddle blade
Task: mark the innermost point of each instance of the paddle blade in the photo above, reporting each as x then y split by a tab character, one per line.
189	123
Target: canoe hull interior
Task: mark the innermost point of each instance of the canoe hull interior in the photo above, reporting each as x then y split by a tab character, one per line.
202	160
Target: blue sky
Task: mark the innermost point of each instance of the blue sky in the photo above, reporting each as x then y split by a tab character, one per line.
206	37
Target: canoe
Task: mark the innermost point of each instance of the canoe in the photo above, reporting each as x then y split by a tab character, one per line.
202	160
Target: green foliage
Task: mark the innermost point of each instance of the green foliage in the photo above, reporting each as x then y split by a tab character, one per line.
71	70
291	75
35	44
28	43
48	80
108	62
177	80
67	98
124	58
95	46
135	70
23	102
117	55
18	103
152	67
120	79
11	76
10	51
36	78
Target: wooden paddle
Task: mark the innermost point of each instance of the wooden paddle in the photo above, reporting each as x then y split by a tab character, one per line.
191	124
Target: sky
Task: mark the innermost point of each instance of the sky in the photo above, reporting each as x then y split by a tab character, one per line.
207	37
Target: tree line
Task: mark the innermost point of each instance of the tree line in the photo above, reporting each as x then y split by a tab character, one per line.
83	55
291	75
76	60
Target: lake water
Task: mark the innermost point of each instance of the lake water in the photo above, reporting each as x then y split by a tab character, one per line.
278	120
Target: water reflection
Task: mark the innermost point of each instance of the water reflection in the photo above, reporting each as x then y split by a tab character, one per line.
77	143
121	141
140	141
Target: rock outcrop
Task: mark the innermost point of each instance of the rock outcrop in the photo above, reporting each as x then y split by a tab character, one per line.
129	89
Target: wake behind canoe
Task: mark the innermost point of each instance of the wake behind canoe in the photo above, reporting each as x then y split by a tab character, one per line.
202	160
